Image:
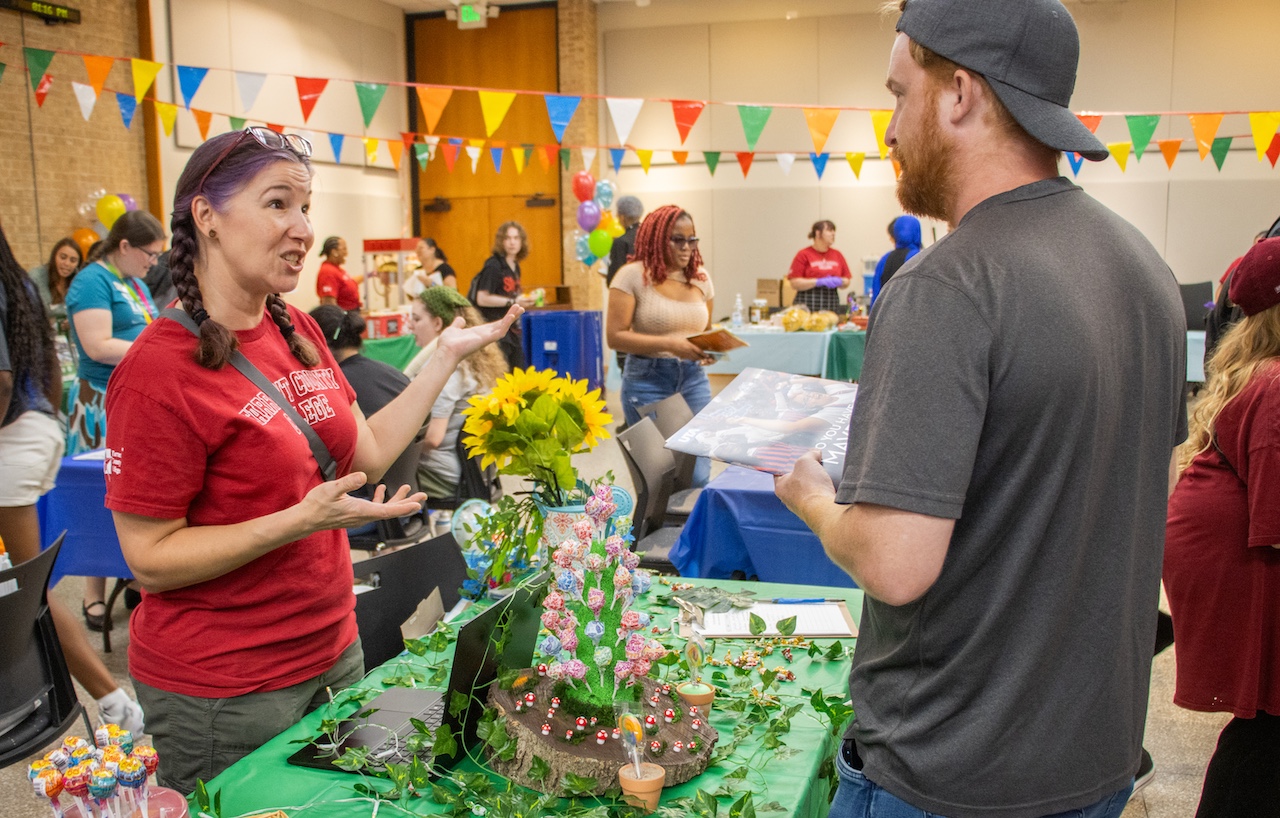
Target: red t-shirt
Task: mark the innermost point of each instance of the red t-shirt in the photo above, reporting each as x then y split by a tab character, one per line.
809	263
207	445
1220	572
333	282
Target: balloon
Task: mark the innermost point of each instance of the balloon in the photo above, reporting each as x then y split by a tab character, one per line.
588	215
86	212
129	203
584	186
85	238
606	219
599	242
109	209
582	248
604	193
614	230
97	194
590	259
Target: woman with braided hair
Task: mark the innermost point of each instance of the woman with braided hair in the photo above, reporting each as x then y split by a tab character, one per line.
656	302
222	507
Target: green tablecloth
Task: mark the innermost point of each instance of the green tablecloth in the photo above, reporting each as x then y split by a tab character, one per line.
397	351
264	781
844	355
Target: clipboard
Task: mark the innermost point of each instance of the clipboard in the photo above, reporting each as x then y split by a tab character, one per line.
816	620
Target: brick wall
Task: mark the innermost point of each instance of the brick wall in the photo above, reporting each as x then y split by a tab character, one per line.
72	157
579	74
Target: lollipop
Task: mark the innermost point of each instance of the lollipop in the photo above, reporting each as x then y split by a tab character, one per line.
48	784
59	757
76	783
131	776
632	739
102	788
38	766
150	760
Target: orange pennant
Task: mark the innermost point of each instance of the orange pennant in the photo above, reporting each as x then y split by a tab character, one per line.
544	159
820	122
432	101
397	150
277	128
897	169
1090	121
1169	149
97	68
680	156
202	118
686	113
1205	127
744	161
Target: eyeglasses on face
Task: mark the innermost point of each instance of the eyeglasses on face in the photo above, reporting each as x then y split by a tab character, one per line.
267	138
151	257
681	242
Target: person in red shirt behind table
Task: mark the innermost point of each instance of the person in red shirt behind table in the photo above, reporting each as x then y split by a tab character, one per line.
223	512
818	271
333	285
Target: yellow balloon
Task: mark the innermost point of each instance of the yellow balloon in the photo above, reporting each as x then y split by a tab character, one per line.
110	208
614	230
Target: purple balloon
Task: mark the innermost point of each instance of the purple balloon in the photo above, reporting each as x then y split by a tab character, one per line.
588	215
129	203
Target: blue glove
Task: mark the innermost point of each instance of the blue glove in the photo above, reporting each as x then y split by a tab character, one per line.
830	282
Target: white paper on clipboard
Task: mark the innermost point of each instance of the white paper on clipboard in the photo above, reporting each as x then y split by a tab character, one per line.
813	619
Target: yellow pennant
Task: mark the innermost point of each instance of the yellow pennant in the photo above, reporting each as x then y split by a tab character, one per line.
880	121
645	158
518	156
494	106
1264	125
1205	128
168	113
144	73
1120	153
371	149
855	163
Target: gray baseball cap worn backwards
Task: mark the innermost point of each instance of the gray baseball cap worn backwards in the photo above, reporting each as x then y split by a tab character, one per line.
1027	50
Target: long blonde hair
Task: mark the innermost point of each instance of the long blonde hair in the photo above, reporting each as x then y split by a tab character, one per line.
1247	347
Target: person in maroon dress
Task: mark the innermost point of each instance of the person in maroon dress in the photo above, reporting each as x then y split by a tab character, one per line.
1222	551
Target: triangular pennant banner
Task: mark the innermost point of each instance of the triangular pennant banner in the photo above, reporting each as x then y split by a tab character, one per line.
370	95
2	67
407	139
144	73
819	162
744	161
421	152
1090	121
397	150
38	61
189	80
309	91
1141	128
560	110
1120	152
97	68
42	90
237	123
518	157
565	156
623	111
168	113
370	149
686	112
494	106
1273	150
753	118
86	97
127	107
820	122
713	159
249	83
880	122
785	161
1263	125
473	153
616	154
897	168
496	155
450	150
275	126
855	161
1076	161
203	119
645	158
1169	149
680	157
432	102
588	158
1205	127
544	159
1219	150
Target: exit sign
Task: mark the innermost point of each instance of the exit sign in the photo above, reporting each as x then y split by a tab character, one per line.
51	12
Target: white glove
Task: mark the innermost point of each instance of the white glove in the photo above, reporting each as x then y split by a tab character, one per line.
117	708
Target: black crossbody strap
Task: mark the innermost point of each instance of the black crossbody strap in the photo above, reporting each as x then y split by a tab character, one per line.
319	451
1223	456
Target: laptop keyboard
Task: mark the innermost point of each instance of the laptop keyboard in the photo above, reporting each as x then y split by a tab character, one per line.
391	749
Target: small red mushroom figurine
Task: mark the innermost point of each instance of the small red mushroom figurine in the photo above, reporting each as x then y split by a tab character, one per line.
546	729
601	737
669	715
581	723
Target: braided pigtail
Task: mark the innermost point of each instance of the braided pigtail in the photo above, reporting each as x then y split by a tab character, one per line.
301	348
216	341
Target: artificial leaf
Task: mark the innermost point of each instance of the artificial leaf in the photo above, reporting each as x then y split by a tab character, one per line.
539	769
787	626
445	744
744	807
757	625
457	703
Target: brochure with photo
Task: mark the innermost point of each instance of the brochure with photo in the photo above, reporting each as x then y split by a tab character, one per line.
766	420
717	340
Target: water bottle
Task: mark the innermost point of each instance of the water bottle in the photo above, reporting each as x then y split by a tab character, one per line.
735	319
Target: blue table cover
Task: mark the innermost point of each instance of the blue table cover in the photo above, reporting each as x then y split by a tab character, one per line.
76	505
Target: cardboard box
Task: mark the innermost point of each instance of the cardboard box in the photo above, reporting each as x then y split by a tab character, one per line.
770	289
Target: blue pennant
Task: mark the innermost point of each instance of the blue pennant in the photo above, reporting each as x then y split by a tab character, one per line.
1076	160
496	154
127	106
560	110
335	142
819	162
189	80
616	154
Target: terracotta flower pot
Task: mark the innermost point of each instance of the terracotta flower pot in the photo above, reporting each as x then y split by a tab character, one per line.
645	791
697	693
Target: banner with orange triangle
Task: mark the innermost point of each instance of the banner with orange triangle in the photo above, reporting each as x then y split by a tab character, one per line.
744	161
97	68
432	101
1205	128
397	150
820	122
202	118
1169	149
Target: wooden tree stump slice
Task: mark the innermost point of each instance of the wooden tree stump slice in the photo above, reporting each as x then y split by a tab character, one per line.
586	757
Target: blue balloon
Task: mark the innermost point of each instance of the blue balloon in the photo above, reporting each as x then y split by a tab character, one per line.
604	193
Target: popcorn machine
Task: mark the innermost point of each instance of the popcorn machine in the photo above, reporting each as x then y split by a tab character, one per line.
388	264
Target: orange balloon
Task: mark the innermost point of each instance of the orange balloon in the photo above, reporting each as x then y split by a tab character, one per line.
85	238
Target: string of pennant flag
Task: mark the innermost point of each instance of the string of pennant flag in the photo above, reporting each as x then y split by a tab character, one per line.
561	108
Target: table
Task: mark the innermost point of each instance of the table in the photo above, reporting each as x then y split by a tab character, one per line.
264	781
835	354
739	524
845	354
76	504
396	351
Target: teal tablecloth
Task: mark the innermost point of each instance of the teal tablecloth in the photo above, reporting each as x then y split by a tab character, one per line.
397	351
833	354
264	781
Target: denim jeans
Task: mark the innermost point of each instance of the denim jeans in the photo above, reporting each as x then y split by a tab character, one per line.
859	797
649	380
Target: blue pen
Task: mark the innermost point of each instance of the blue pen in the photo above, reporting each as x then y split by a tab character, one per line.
783	600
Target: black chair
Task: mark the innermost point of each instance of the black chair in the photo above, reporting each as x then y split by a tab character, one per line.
652	468
37	697
1194	298
398	530
670	415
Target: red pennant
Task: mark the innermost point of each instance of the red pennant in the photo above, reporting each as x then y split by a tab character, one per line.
1090	121
309	91
744	161
1273	150
42	90
203	118
276	128
552	153
686	113
450	151
680	156
408	139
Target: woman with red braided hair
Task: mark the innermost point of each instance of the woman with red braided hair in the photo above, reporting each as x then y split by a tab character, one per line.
656	302
229	516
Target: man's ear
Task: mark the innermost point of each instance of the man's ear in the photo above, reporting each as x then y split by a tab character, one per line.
969	96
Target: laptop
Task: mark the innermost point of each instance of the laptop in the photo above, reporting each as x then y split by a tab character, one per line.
476	662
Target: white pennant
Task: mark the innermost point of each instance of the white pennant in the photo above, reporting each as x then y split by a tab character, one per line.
785	161
474	153
432	142
250	84
588	156
624	111
86	96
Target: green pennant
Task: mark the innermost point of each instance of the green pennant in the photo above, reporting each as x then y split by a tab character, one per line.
370	94
37	63
1219	150
564	157
421	152
237	123
1141	129
754	118
1	72
713	159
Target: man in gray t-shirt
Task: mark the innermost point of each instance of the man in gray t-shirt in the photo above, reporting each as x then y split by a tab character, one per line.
1003	499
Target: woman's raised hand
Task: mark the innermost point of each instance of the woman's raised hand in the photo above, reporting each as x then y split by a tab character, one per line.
460	340
329	506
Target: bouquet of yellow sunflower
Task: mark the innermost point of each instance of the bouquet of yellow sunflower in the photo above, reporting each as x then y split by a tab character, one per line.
531	424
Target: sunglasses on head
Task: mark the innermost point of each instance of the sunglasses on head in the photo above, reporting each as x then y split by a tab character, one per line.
267	138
